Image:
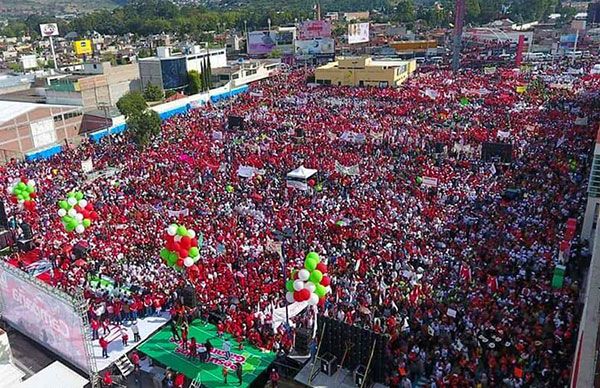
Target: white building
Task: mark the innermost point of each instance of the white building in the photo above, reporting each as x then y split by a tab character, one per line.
29	62
243	73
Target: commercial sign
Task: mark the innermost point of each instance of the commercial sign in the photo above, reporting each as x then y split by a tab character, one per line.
83	47
46	318
312	29
261	42
324	46
49	29
358	33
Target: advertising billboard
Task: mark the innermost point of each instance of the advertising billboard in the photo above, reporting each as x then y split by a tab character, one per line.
261	42
49	29
325	46
312	29
46	318
83	47
358	33
568	41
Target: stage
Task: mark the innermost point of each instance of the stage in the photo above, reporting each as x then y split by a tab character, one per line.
116	349
343	378
160	348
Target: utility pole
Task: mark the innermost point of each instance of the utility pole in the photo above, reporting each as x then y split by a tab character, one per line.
459	21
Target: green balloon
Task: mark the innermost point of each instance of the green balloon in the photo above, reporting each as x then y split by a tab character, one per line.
289	285
63	205
310	263
73	223
316	276
30	189
320	290
193	252
69	228
87	222
79	195
21	185
419	180
20	197
164	253
181	230
229	188
71	194
172	258
314	255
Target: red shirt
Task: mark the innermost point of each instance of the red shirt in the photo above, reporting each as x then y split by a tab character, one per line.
135	359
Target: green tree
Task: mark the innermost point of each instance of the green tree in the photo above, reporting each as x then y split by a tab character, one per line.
473	10
404	11
132	104
194	82
153	93
144	126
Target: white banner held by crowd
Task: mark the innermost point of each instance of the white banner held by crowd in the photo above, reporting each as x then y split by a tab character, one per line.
177	213
429	181
87	166
351	170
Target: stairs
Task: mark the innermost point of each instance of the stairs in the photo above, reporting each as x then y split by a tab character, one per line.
124	365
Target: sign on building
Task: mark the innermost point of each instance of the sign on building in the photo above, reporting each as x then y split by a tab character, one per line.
358	33
49	29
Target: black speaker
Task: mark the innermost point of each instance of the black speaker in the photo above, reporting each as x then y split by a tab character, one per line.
494	152
235	122
302	340
188	294
3	218
7	239
27	233
80	251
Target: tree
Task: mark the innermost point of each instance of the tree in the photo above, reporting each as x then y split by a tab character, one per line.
194	82
473	10
144	126
153	93
132	104
405	11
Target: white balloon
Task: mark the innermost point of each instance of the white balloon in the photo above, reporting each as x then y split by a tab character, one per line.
328	289
289	296
172	230
298	285
72	201
177	238
191	233
31	183
310	286
314	299
62	212
79	217
83	203
188	261
303	274
72	212
80	228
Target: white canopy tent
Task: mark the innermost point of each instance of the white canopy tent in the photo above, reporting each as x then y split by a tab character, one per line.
55	375
301	173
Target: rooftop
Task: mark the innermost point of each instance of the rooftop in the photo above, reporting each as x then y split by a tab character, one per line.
12	109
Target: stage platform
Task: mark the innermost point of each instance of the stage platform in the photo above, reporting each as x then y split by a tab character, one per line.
116	349
342	379
170	353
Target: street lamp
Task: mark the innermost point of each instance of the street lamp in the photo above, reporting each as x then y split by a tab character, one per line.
282	236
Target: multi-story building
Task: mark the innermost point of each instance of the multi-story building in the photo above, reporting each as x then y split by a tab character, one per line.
365	71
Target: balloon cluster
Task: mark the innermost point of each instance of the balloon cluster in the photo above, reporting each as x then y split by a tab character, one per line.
310	283
181	248
76	213
23	192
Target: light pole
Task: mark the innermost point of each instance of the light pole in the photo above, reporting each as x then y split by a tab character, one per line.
246	33
282	236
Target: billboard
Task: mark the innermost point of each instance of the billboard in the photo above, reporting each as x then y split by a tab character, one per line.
285	38
358	33
44	317
261	42
325	46
568	41
49	29
82	47
312	29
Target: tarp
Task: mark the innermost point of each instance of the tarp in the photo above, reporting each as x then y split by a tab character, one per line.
55	374
301	173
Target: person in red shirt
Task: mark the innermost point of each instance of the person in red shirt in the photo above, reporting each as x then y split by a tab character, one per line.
135	360
179	380
274	377
104	345
193	351
124	337
184	334
95	326
107	380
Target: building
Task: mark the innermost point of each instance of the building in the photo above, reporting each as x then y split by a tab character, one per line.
169	70
28	62
29	128
592	210
242	73
365	71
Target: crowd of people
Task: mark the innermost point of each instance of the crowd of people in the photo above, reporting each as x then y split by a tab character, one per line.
424	239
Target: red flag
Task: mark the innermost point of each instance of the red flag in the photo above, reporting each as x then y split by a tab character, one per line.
492	283
465	273
414	294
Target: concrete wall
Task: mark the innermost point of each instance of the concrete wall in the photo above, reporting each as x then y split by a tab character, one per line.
150	72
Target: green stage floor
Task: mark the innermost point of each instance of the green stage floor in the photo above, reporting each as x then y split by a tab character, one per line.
160	348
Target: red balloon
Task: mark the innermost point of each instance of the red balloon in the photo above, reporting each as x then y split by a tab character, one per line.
176	246
33	195
304	294
298	296
186	242
94	216
89	207
78	208
14	199
322	267
183	253
325	281
194	242
180	262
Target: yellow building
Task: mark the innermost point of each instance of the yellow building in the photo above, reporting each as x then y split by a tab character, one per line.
365	71
83	47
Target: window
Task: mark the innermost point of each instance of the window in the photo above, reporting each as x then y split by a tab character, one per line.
58	118
250	72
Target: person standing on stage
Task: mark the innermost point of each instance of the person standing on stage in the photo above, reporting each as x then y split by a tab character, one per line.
176	336
104	346
136	331
227	349
224	372
238	371
184	334
193	352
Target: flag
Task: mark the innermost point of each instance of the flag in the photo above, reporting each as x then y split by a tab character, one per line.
414	294
492	283
493	169
561	141
39	267
465	273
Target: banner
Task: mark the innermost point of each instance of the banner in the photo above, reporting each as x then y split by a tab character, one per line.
49	29
312	29
246	171
261	42
429	181
353	137
358	33
177	213
296	185
352	170
489	70
293	310
315	47
87	166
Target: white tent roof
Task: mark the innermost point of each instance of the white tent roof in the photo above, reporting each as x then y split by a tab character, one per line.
54	375
301	173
